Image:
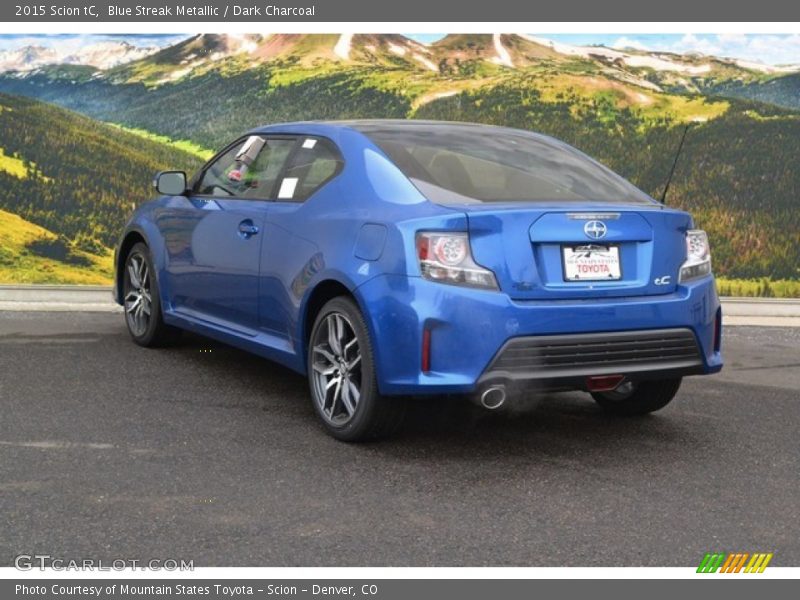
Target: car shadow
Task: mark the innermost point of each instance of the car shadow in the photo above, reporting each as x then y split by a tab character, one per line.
551	424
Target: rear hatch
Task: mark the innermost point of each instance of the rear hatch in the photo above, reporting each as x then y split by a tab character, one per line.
550	253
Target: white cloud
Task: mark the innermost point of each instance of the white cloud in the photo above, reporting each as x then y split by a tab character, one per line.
732	39
626	42
773	49
693	43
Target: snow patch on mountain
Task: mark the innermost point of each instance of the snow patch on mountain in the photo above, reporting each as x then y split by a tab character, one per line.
243	42
628	78
398	50
503	56
660	64
101	55
342	47
652	61
757	66
426	62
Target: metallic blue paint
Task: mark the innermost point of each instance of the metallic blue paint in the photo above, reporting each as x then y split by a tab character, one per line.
220	277
469	326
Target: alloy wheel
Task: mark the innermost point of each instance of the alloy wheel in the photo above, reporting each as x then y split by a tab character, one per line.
336	369
138	299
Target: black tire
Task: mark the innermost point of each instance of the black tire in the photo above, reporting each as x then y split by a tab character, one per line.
373	416
644	398
152	332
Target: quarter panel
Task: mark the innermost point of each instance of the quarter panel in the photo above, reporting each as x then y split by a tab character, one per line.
356	227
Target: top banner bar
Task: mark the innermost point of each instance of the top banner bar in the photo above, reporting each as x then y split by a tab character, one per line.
431	11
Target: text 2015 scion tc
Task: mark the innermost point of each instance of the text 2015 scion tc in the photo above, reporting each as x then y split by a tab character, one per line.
394	258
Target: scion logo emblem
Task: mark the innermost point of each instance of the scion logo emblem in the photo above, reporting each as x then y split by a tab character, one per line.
595	229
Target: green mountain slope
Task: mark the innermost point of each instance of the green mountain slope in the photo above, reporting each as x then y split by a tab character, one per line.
32	254
213	107
74	176
740	172
781	91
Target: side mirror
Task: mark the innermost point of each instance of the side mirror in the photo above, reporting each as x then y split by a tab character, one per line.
170	183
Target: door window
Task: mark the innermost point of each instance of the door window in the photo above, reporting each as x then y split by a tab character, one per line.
248	170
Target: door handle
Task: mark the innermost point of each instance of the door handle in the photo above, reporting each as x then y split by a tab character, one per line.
247	229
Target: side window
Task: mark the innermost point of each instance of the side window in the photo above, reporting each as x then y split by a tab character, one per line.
248	169
313	165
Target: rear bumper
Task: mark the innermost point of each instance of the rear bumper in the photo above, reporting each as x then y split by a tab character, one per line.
565	361
479	337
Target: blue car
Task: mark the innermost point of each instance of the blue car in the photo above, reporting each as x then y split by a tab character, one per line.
387	259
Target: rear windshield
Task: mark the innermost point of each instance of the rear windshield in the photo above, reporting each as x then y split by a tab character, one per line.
457	164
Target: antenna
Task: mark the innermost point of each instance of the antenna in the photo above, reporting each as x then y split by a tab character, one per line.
677	156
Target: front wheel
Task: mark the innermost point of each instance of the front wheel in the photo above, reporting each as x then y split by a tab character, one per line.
341	374
638	398
141	301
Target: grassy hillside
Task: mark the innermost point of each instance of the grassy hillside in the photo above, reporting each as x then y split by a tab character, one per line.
212	108
75	176
32	254
739	173
185	145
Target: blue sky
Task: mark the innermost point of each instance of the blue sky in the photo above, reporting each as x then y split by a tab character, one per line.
770	49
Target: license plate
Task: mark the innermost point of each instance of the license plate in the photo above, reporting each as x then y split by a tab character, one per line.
591	262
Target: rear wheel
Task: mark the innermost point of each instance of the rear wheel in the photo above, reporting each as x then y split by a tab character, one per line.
341	374
141	301
638	398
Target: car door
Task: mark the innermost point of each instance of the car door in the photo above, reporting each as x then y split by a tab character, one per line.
214	259
291	254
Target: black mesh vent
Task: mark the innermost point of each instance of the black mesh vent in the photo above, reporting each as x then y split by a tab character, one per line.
598	353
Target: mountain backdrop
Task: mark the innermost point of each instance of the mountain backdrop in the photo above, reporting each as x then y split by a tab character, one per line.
77	175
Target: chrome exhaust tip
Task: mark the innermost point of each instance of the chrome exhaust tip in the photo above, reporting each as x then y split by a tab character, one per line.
493	397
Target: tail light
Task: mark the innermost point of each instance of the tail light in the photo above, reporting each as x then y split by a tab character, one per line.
446	257
698	256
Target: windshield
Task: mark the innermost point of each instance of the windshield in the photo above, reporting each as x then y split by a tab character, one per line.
454	163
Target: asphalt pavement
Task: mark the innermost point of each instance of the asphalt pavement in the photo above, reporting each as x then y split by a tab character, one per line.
202	452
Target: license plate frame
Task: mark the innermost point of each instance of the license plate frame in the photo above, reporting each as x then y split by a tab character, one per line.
601	263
